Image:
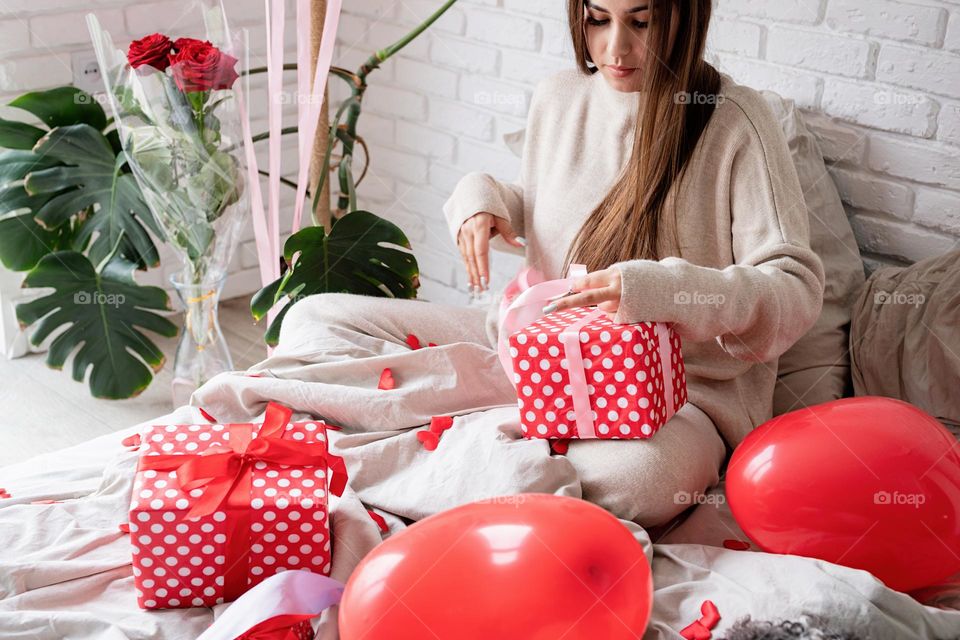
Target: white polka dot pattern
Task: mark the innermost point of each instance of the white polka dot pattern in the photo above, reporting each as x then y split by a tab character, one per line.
180	563
623	368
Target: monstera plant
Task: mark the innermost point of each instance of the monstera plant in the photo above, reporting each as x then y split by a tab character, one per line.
73	218
362	253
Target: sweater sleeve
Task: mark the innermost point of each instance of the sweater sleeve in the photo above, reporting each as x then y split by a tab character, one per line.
477	192
771	295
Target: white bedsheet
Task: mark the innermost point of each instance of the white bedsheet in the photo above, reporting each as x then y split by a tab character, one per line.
65	568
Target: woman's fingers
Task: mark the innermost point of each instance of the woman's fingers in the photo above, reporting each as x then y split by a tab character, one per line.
503	226
474	242
602	288
586	298
466	249
481	255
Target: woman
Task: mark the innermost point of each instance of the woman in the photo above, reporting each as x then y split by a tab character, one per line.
675	187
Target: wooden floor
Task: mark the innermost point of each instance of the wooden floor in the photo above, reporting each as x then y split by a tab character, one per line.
45	410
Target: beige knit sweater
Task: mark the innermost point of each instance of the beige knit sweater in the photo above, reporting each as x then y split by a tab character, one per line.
742	286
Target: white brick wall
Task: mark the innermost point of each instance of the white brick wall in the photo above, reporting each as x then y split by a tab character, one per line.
879	80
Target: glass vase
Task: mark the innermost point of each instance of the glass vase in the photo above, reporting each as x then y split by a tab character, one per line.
202	351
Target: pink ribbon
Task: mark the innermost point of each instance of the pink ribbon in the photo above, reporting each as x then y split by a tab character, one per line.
276	13
523	300
308	118
266	219
261	233
282	598
570	338
666	361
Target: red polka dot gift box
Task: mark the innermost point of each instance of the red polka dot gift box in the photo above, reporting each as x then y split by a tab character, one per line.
579	375
218	508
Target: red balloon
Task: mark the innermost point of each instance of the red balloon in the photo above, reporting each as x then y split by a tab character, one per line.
529	566
871	483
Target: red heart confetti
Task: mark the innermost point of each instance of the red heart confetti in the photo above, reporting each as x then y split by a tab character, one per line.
711	616
254	375
45	502
432	344
124	527
4	494
439	424
386	380
381	522
736	545
132	442
696	631
429	439
207	415
413	341
560	446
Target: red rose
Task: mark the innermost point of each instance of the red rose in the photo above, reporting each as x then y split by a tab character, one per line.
152	50
182	43
197	65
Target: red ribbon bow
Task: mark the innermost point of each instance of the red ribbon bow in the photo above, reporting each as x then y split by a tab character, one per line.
224	473
220	468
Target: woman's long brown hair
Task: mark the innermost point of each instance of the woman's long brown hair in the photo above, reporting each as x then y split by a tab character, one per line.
627	222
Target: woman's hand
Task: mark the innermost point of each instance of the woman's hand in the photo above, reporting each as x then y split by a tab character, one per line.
473	240
602	288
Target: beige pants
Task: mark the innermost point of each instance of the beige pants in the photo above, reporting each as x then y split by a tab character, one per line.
648	481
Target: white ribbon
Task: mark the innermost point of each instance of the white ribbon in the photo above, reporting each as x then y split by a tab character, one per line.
295	592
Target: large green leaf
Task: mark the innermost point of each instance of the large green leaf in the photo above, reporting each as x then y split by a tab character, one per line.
91	176
18	135
355	258
22	241
15	165
63	106
104	314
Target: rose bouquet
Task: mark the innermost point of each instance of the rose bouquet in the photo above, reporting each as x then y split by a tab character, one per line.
172	103
177	113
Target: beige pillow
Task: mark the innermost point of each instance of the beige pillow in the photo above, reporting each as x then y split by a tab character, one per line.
817	367
904	336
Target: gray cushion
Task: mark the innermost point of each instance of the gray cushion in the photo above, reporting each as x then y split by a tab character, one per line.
817	367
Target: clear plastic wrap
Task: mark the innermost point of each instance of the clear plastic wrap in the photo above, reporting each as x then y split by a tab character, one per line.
176	108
